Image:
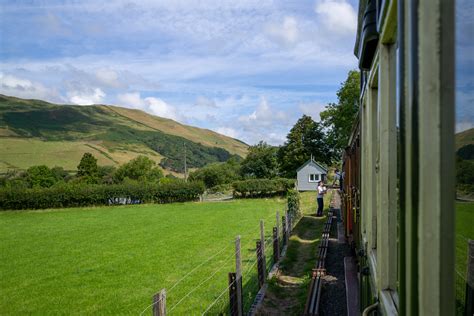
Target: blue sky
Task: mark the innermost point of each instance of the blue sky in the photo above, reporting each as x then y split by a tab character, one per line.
248	69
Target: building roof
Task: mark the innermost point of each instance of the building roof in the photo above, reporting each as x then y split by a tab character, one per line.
311	161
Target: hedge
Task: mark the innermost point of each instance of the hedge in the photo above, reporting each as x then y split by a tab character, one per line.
261	187
74	195
293	200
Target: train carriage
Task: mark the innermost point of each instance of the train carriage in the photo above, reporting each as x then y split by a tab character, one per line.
398	189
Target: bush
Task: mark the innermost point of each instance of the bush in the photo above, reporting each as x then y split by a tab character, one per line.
261	187
217	173
73	195
293	200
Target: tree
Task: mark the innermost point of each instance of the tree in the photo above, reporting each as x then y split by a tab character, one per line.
306	138
217	173
40	176
140	168
466	152
465	171
339	117
88	166
261	162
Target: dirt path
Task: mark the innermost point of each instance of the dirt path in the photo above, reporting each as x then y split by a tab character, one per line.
287	291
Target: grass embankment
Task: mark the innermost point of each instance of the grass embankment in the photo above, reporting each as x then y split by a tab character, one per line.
286	294
111	260
464	231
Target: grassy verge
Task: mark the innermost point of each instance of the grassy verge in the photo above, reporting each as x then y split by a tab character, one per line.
111	260
287	291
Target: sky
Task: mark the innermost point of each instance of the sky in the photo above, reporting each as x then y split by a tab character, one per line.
247	69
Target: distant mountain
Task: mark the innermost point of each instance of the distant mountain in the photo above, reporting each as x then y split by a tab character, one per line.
465	138
34	132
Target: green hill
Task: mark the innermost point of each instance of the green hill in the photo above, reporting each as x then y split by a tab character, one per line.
465	138
34	132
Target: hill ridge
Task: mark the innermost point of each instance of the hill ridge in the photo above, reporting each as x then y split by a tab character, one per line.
39	129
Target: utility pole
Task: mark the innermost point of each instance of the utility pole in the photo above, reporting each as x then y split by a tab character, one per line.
185	166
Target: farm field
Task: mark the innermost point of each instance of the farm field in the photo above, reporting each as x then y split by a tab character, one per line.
111	260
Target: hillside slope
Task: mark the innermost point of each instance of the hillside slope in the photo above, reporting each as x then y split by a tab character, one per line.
35	132
465	138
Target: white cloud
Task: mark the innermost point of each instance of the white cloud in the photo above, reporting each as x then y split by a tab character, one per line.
92	96
108	77
228	132
312	109
24	88
131	100
152	105
286	32
263	115
337	16
161	108
205	102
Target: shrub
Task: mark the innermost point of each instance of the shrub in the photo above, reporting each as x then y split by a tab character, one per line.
73	195
293	200
261	187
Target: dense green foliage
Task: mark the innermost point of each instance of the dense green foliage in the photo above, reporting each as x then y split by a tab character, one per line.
261	162
465	171
306	138
73	195
261	187
293	202
338	118
40	176
141	168
217	173
87	166
466	152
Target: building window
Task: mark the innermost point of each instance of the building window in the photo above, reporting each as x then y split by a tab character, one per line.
313	177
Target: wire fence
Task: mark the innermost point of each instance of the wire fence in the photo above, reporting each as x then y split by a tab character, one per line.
211	295
461	273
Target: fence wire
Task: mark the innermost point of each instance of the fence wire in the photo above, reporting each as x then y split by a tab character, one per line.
216	292
460	276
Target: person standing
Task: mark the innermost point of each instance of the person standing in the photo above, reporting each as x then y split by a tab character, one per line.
337	177
321	191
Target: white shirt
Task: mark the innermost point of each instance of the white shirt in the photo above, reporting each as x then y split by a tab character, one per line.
321	191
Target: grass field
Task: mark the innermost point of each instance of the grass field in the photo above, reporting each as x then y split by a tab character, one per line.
21	153
111	260
464	231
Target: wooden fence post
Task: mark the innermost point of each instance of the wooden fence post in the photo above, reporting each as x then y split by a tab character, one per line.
470	279
284	230
233	294
159	303
276	245
238	276
278	221
262	241
260	264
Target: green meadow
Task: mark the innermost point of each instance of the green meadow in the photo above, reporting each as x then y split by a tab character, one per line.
111	260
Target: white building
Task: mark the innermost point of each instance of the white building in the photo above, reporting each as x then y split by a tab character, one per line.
309	174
